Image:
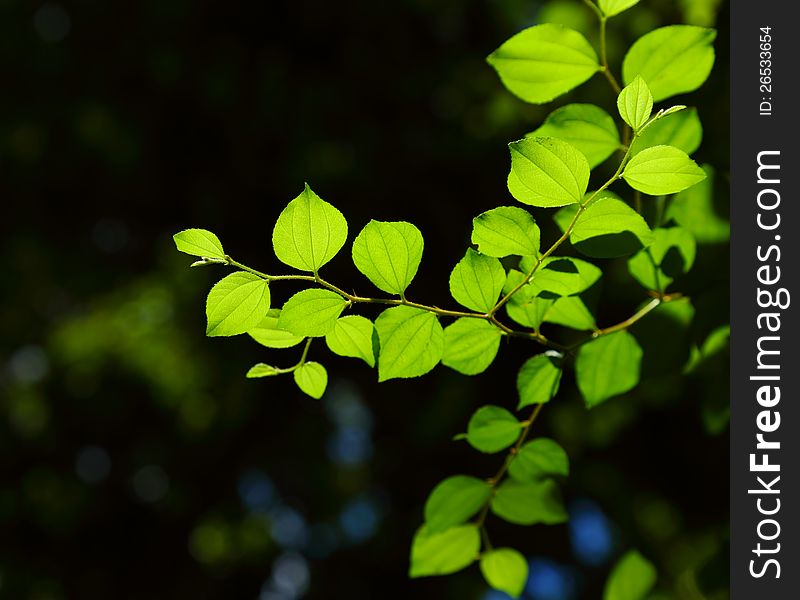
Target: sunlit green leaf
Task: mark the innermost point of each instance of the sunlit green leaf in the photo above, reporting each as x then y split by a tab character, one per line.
538	459
236	304
538	379
506	570
311	313
547	172
506	231
411	342
470	345
672	60
542	62
631	579
309	232
662	170
587	127
610	228
530	502
199	242
608	366
352	336
477	280
445	552
572	312
681	130
312	379
263	370
455	500
670	255
635	103
614	7
565	276
492	428
388	253
267	333
693	209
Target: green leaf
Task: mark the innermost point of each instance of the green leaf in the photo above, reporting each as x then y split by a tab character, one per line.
476	281
670	255
565	276
506	231
608	366
445	552
309	232
312	379
538	379
528	503
411	342
199	242
492	428
681	130
614	7
672	60
267	333
311	313
530	311
470	345
263	370
609	228
352	336
587	127
236	304
542	62
572	312
662	170
635	103
693	209
631	579
538	459
455	500
388	254
547	172
506	570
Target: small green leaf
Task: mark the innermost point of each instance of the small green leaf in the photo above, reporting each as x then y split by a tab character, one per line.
632	578
492	428
309	232
199	242
311	313
608	366
470	345
587	127
614	7
528	311
506	231
455	500
312	379
542	62
445	552
693	209
547	172
388	254
670	255
681	130
352	336
268	334
635	103
672	60
565	276
236	304
476	281
538	379
538	459
506	570
411	342
572	312
609	228
662	170
528	503
263	370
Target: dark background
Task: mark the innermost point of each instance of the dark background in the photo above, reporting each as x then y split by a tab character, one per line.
136	460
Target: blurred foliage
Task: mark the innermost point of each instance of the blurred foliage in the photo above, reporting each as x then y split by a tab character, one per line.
136	459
